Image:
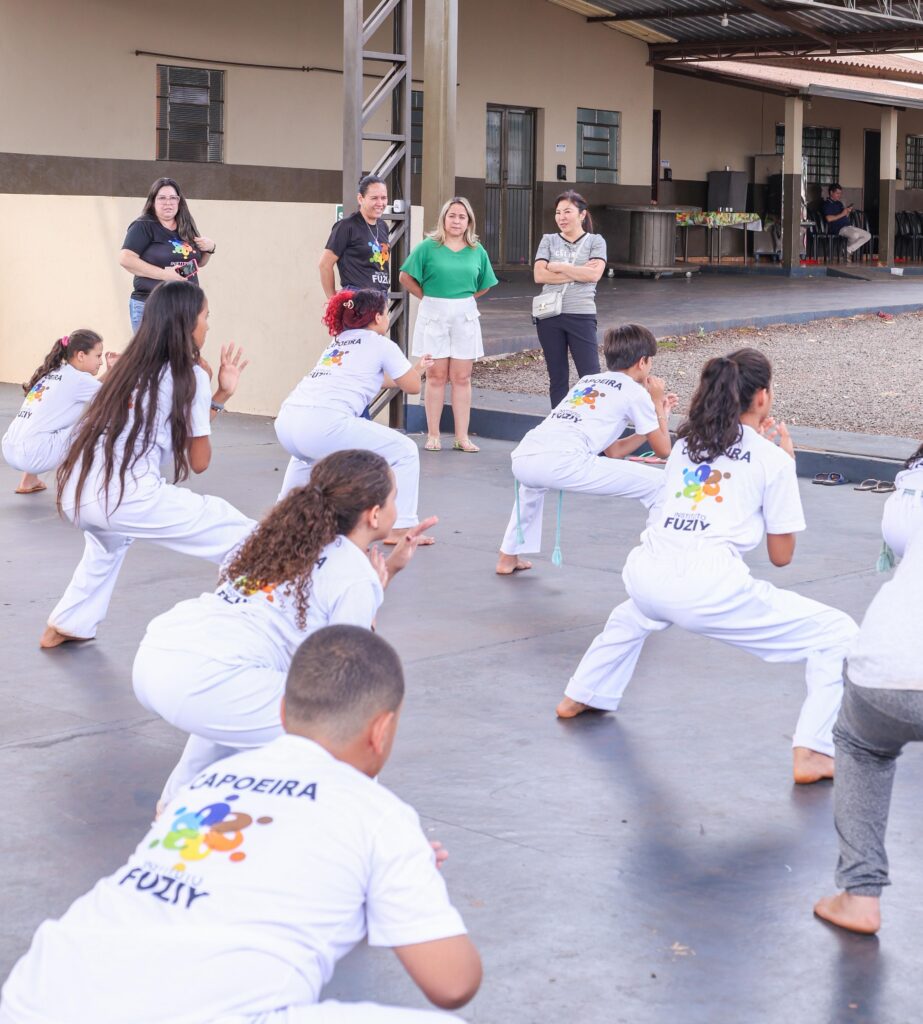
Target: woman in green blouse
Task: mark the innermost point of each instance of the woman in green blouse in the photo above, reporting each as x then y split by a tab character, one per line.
448	270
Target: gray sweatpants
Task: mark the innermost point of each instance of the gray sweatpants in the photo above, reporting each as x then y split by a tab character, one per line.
870	733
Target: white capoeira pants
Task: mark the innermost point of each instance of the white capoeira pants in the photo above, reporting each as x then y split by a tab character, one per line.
225	706
902	517
309	434
713	593
39	454
332	1012
571	471
181	520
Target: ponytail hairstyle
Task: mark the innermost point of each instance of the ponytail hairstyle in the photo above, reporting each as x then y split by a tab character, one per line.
351	311
917	455
127	401
82	340
726	389
283	550
570	196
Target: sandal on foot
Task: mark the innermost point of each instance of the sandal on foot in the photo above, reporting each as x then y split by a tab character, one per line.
465	446
433	444
31	490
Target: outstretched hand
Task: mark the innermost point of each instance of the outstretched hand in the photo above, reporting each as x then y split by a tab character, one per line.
231	366
380	565
670	402
777	432
407	545
112	359
442	854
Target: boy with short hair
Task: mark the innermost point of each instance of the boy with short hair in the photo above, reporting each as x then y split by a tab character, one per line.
262	873
561	453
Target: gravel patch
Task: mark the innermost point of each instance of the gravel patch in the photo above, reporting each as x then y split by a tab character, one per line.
860	374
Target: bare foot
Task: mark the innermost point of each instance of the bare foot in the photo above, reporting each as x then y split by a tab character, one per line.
54	638
811	766
570	708
395	535
855	913
30	484
508	564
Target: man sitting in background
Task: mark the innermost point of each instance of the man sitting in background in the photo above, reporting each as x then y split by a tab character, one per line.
836	216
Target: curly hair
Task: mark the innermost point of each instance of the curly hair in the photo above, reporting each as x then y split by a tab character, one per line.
726	389
82	340
351	311
283	550
127	401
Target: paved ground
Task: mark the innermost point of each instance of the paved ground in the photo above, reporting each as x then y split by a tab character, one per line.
650	867
681	305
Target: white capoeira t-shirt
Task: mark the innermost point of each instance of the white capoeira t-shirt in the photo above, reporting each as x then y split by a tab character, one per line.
240	622
261	874
729	501
350	373
54	403
594	414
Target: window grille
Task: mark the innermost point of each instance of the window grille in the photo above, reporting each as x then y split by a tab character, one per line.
190	114
821	150
913	165
597	145
416	131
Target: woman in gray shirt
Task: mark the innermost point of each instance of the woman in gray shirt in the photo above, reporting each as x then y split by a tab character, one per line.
574	258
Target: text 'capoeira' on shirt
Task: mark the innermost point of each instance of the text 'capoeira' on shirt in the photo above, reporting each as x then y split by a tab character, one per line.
730	501
595	413
350	373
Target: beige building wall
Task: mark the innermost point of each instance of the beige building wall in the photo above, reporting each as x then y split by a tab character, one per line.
83	91
262	285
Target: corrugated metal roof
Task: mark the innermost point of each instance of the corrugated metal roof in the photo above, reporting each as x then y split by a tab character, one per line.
812	25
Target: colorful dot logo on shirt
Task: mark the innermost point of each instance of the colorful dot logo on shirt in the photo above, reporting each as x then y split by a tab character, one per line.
250	587
333	358
702	482
381	253
216	828
585	396
181	248
35	395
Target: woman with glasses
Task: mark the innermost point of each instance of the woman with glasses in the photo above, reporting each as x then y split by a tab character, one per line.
448	271
163	244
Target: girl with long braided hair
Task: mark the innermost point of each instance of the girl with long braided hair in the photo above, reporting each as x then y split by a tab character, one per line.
324	413
215	666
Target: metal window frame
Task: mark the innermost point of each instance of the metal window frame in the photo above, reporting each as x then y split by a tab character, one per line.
614	145
163	135
810	149
913	162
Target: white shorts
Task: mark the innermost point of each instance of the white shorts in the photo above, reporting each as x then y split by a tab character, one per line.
448	328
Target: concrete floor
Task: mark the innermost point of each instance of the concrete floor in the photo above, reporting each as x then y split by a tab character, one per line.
680	305
651	867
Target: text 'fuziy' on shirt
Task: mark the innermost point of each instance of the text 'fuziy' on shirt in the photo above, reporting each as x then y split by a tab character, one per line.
159	246
261	874
444	273
350	373
730	501
363	252
243	622
580	296
53	403
595	413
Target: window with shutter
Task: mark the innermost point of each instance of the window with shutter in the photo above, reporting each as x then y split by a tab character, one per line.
190	114
597	145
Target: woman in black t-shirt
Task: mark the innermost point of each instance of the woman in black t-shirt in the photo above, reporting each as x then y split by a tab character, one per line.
163	244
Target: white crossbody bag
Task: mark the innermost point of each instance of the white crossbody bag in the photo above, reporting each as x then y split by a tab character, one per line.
549	304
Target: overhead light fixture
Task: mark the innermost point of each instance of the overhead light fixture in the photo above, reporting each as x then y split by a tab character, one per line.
724	20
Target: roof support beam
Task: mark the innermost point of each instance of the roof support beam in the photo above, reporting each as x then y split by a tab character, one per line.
705	12
786	46
791	21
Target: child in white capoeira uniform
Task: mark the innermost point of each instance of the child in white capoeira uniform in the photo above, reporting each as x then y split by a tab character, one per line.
263	873
155	405
903	511
56	395
562	452
726	482
324	413
215	666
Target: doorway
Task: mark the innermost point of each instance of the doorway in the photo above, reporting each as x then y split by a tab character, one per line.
871	182
509	185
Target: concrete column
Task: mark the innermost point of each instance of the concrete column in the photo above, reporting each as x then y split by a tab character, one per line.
791	183
440	67
887	195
